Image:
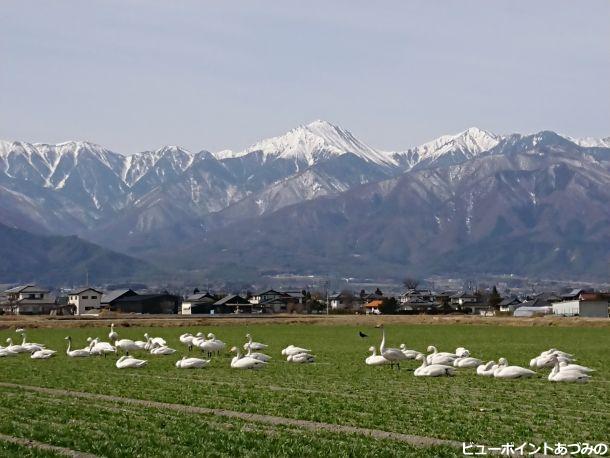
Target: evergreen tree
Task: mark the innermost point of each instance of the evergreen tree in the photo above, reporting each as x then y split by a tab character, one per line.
494	298
389	306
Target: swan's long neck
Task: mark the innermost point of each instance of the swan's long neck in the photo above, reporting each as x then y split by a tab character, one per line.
23	339
382	346
434	350
374	350
69	345
424	362
10	341
556	367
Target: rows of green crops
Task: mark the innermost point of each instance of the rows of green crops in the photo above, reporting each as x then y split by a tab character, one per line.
339	388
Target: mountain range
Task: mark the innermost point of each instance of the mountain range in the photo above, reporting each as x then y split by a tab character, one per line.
317	200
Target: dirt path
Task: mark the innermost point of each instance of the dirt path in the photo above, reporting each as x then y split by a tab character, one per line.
46	447
266	419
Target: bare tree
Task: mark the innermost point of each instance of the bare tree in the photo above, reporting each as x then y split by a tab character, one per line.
410	282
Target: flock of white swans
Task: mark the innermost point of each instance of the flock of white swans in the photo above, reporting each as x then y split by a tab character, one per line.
252	358
434	364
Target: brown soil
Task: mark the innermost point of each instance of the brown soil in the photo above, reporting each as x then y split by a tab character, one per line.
29	443
121	320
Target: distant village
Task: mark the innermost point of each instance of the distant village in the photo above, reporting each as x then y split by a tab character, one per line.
90	301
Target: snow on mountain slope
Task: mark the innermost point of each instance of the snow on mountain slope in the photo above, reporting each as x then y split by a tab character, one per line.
53	164
591	142
80	187
312	143
138	165
449	149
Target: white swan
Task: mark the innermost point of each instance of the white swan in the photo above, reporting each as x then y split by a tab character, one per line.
561	375
467	361
77	353
113	335
574	367
512	372
206	345
191	363
96	347
410	354
546	360
487	370
6	352
218	344
125	362
197	339
461	352
155	340
13	347
42	354
432	370
29	346
187	339
393	355
292	350
554	351
126	345
442	358
161	350
253	345
374	359
245	362
256	355
301	358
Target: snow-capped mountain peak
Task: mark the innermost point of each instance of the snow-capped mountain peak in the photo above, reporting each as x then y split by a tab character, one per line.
317	141
472	141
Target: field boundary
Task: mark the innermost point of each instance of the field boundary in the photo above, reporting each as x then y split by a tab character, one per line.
124	320
30	443
422	441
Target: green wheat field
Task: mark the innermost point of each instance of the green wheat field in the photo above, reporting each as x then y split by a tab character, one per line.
338	389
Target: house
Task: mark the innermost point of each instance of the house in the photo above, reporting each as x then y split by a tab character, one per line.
279	301
198	303
444	297
531	307
548	297
163	303
345	300
373	306
509	304
85	300
572	295
28	300
467	302
110	297
589	305
234	303
265	296
417	295
414	300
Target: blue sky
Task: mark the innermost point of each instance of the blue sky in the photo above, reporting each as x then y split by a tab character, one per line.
135	75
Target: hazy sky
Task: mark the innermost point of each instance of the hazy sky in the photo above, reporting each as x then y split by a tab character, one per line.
134	75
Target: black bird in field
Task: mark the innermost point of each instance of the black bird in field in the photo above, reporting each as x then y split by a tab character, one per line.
362	334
